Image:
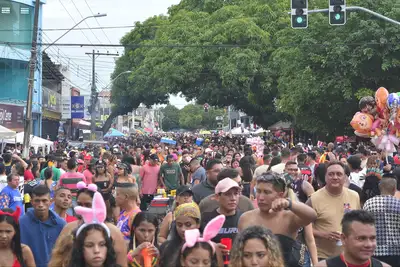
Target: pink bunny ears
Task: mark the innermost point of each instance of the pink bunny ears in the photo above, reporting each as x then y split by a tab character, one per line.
96	215
91	187
210	231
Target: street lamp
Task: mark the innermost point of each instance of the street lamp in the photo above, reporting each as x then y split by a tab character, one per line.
32	68
125	72
93	16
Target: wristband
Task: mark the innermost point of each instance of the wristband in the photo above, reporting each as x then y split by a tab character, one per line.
129	256
290	204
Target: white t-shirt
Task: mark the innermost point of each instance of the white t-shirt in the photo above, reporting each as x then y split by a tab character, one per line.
358	178
279	168
21	185
61	171
260	170
3	181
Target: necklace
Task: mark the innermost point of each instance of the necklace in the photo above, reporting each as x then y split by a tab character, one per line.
368	263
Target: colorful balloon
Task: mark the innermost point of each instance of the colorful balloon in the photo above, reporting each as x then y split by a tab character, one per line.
362	124
381	96
393	100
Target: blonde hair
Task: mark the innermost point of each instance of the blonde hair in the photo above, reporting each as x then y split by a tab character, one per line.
62	251
131	191
272	246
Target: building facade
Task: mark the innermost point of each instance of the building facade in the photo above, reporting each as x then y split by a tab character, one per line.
16	28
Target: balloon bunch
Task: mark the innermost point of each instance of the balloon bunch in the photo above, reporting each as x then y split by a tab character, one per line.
379	119
258	144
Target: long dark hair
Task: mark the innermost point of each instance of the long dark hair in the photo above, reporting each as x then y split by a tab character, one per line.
188	250
78	259
16	240
48	174
168	250
143	217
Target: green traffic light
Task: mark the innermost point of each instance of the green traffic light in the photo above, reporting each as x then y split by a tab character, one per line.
299	20
338	16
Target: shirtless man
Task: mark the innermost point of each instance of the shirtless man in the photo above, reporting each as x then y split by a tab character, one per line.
282	216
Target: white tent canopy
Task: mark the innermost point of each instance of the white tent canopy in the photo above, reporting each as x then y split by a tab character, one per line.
35	141
6	133
239	130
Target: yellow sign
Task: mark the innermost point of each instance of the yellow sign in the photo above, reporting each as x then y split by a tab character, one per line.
52	100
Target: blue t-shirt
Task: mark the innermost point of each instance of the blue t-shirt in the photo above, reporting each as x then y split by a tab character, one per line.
199	174
11	198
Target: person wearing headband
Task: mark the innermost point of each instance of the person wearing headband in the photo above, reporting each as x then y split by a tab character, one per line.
187	217
10	244
199	248
85	197
95	232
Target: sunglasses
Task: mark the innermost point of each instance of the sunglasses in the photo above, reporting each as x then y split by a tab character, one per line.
272	178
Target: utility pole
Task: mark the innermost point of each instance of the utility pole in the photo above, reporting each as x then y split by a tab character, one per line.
94	95
31	82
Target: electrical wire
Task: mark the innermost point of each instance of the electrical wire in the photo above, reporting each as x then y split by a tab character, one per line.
77	9
74	67
99	25
217	46
72	18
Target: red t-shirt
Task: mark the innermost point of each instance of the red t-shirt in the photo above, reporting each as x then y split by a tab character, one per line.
69	218
28	175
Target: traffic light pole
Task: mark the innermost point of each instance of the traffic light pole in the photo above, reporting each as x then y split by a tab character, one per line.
357	8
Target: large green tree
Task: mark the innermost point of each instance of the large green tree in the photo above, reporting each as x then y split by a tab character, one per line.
323	69
244	53
170	117
210	51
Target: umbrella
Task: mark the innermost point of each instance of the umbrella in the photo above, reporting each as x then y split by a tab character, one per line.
204	132
114	133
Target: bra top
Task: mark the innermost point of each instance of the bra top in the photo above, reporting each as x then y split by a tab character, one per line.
102	184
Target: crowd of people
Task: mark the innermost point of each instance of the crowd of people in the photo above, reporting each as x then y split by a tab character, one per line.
293	207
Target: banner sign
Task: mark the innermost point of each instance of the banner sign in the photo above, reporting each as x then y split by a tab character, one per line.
12	117
66	107
77	107
51	100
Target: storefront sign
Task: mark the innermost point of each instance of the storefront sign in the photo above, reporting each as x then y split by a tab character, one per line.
51	100
12	117
66	107
77	107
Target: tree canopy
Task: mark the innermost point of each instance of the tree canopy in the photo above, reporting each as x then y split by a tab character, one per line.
191	117
244	53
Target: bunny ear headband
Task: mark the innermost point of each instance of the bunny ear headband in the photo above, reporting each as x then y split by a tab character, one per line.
96	215
90	187
210	231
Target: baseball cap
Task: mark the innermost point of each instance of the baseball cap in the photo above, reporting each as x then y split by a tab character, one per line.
225	184
183	189
154	157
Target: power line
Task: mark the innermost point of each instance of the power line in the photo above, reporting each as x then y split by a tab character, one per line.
69	14
77	9
74	29
99	24
205	46
174	25
74	68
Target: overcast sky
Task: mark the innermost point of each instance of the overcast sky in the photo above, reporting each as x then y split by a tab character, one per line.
119	13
